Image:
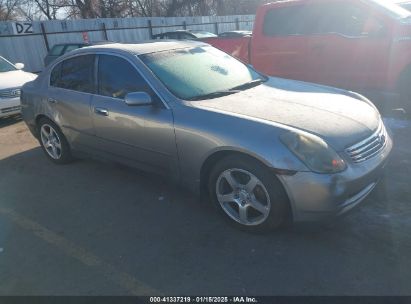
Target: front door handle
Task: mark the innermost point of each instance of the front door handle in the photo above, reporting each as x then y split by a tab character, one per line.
101	111
52	100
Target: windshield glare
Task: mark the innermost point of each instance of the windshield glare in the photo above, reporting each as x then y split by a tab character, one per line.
6	66
193	72
393	9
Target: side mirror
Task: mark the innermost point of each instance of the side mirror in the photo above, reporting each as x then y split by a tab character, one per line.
138	99
19	66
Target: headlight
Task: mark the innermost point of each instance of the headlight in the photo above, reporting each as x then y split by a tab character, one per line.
313	152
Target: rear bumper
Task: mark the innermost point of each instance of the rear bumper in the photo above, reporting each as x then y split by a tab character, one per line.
316	197
9	106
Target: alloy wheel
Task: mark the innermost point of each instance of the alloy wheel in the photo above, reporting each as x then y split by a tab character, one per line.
243	197
51	141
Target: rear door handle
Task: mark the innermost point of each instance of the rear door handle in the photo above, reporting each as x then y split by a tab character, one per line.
52	100
101	111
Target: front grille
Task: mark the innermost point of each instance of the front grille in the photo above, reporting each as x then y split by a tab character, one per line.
10	93
11	109
369	147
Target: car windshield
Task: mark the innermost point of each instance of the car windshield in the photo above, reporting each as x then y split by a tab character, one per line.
200	34
6	66
200	72
393	9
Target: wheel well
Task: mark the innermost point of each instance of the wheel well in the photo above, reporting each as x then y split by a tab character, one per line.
212	160
40	117
37	120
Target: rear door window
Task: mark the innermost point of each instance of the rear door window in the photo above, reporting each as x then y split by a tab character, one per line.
75	74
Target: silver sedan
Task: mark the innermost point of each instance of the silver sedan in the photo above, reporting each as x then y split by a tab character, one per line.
262	150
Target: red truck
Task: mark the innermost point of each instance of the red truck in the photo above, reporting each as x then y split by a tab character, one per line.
359	45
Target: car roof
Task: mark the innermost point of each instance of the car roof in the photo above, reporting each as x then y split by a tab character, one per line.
84	43
144	47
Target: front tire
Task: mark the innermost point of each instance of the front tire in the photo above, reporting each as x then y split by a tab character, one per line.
247	194
53	142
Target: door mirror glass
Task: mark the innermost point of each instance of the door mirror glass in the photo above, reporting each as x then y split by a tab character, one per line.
138	99
19	66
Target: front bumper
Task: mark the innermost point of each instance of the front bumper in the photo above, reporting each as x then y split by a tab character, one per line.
9	106
315	197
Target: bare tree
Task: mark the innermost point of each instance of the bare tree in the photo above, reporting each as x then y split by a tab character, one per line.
237	7
8	9
49	8
112	8
85	9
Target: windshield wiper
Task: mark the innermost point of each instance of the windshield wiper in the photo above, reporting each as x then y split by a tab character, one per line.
249	85
234	90
214	95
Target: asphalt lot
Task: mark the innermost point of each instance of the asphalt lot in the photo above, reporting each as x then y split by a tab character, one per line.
94	228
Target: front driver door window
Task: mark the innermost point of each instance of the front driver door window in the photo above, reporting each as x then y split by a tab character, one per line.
143	135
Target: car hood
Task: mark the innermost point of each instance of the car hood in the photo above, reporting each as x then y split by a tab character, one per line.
15	79
330	113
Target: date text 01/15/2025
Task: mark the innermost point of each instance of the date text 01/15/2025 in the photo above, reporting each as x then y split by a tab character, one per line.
203	300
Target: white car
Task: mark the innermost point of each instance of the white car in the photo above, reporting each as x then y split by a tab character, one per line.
12	78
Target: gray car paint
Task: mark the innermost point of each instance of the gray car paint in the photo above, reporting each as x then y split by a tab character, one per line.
179	138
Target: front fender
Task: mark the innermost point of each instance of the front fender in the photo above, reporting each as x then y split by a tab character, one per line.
201	133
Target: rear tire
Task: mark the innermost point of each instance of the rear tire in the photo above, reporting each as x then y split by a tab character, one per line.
53	142
248	195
